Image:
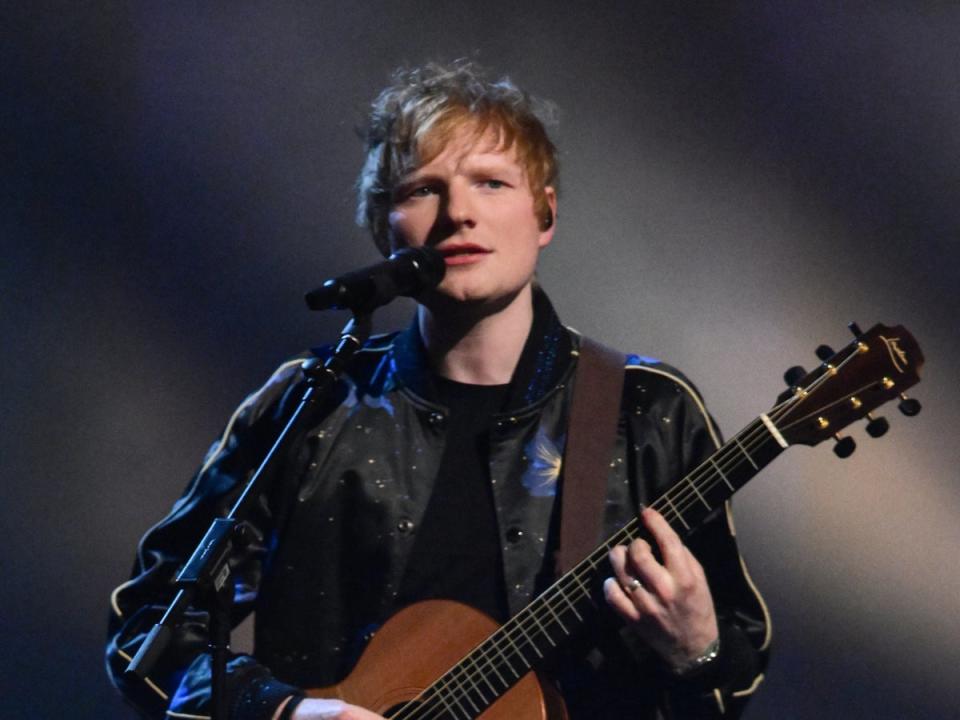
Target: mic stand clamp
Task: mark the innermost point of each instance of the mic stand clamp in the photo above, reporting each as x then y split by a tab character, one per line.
205	577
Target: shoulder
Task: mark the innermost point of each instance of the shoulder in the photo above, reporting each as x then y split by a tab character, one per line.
650	372
283	388
643	373
647	378
641	370
271	393
650	382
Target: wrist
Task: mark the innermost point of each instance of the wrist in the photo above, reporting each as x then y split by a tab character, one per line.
692	665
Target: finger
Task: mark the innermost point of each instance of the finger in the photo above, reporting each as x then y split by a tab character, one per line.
677	558
620	601
694	575
642	564
358	713
634	604
671	546
631	586
623	571
618	561
321	709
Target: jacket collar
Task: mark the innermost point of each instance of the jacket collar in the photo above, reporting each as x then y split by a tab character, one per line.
545	359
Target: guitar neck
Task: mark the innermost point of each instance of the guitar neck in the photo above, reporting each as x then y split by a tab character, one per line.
495	665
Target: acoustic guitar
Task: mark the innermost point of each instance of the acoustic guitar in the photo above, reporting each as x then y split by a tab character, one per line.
440	660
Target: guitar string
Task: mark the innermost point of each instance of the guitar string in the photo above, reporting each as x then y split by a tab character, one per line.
448	695
556	593
442	690
836	402
554	599
445	689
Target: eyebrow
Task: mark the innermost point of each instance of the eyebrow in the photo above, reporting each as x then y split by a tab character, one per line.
495	159
475	166
493	167
486	163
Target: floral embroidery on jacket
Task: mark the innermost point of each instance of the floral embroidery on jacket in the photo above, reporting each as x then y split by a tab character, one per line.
545	458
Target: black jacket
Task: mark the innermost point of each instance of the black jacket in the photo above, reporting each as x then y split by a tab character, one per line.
335	529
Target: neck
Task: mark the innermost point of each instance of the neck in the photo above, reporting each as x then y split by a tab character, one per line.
479	345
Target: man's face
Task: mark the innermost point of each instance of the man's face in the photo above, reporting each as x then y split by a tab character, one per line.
473	203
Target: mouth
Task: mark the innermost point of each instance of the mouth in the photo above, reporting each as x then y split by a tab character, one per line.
462	253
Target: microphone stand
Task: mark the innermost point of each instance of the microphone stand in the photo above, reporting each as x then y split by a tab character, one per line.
204	579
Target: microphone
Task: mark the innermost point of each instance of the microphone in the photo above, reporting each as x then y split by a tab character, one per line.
407	272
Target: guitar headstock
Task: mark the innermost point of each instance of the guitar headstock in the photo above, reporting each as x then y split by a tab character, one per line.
879	365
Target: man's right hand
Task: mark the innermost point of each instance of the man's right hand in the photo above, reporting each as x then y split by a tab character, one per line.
320	709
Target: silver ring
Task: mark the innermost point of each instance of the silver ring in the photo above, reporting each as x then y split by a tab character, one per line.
634	584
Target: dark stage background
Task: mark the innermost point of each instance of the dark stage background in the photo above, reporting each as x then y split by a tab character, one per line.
739	181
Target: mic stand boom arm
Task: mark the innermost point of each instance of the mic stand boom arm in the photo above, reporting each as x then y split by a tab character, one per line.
204	579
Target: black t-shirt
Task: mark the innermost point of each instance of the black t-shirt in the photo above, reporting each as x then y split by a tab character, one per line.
456	554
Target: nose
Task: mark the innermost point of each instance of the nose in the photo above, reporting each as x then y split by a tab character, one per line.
459	208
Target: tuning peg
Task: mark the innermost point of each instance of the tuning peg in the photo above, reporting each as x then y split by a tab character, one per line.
909	406
855	329
877	427
844	447
794	375
824	352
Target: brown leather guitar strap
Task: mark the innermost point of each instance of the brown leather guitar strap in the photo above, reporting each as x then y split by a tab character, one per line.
594	413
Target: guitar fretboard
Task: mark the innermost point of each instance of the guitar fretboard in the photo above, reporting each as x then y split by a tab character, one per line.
518	646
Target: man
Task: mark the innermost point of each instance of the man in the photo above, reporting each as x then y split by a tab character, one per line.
436	469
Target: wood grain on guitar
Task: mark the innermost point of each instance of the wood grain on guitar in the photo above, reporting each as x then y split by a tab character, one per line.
415	648
439	660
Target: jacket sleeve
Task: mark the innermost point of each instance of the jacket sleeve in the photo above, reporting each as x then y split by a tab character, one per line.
723	686
179	685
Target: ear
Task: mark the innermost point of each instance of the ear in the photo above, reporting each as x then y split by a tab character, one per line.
548	224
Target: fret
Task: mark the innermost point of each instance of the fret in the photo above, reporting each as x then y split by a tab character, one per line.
441	696
529	640
543	630
697	491
630	531
556	617
457	691
475	708
666	497
590	561
492	689
493	642
516	649
569	602
451	708
483	676
584	590
746	454
493	666
721	473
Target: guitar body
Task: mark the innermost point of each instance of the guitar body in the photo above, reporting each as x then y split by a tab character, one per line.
421	643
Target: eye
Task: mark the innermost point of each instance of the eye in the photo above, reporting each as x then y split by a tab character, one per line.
414	191
494	184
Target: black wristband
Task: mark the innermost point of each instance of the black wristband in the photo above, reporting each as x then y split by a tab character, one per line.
290	707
